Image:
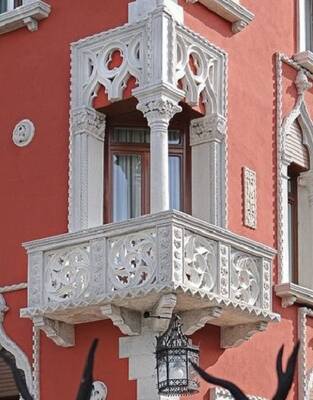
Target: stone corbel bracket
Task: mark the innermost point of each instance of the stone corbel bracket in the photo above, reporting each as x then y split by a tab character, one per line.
196	319
129	322
163	309
233	336
27	15
239	16
61	333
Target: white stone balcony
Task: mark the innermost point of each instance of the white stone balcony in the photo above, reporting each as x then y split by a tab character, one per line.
162	263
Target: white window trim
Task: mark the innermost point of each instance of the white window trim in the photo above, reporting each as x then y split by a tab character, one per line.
287	290
28	15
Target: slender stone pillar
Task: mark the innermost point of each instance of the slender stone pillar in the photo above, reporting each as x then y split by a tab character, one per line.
207	139
158	110
86	184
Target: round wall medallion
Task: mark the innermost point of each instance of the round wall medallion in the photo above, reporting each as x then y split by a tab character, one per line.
23	133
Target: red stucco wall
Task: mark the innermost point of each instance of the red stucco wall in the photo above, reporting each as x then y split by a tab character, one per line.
34	84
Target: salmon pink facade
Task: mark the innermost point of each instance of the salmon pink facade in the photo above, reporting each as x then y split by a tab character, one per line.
156	159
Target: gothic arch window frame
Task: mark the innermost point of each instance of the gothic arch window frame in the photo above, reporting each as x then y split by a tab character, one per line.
286	289
142	49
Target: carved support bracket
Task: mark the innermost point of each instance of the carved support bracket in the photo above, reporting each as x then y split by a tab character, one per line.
233	336
196	319
129	322
61	333
164	308
31	23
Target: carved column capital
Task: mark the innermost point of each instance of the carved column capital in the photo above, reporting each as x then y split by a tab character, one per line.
207	129
158	110
86	120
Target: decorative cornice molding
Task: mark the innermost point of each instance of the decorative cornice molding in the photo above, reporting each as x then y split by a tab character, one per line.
86	120
26	15
207	129
232	11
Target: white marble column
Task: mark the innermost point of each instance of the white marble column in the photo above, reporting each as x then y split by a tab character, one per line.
158	112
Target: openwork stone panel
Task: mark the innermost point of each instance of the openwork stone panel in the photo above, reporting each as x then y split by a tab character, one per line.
119	270
132	260
245	279
200	262
67	274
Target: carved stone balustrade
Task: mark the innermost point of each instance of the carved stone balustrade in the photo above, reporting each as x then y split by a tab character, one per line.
162	263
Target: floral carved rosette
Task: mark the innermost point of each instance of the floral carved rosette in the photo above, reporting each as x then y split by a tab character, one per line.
67	274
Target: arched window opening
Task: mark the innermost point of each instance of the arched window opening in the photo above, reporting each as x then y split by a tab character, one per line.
127	162
300	217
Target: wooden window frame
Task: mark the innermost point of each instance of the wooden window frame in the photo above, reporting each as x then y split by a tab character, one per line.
110	149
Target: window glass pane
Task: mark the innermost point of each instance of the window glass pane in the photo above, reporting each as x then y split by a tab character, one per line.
17	3
126	187
174	137
175	182
142	136
3	6
290	238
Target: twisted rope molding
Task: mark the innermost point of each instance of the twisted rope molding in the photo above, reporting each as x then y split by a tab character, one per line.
304	375
36	362
13	288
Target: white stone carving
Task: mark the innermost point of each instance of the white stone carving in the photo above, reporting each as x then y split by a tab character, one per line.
132	260
29	14
194	320
13	288
224	270
127	321
200	262
140	9
250	198
231	10
245	279
233	336
67	274
23	132
154	263
207	129
218	393
7	343
156	51
36	362
99	391
88	121
163	309
60	332
285	288
304	371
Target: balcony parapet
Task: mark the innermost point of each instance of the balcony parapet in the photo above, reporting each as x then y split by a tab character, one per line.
161	262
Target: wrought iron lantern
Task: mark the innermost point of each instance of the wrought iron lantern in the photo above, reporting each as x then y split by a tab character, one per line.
174	354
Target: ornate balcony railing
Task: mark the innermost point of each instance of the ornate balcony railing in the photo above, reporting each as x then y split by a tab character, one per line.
158	262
